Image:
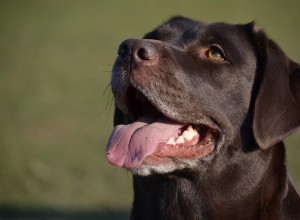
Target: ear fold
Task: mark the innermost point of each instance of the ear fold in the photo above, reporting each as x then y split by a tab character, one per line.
277	104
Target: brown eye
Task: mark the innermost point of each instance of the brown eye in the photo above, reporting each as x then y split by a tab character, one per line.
215	54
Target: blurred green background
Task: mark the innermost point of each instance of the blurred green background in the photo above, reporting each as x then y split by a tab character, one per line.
55	103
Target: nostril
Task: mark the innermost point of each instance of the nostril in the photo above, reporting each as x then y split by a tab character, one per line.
147	52
137	50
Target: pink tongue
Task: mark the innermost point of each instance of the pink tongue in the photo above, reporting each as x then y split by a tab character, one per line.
130	144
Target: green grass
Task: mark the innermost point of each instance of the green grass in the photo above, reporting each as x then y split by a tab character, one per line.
55	105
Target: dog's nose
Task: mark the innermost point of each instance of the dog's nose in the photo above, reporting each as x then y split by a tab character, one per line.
139	50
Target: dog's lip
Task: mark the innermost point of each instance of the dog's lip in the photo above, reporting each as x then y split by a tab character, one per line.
162	110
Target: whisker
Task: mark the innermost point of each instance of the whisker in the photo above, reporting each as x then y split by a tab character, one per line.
108	99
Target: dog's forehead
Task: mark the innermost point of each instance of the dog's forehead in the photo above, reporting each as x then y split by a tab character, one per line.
183	30
177	28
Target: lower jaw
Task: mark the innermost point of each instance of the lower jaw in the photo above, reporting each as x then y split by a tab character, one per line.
164	166
155	160
166	152
155	164
161	162
158	164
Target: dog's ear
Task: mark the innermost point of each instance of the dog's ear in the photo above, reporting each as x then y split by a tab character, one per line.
277	104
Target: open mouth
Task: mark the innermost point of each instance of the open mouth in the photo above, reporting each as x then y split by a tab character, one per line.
152	136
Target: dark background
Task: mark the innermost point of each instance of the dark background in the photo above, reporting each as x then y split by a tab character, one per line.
56	106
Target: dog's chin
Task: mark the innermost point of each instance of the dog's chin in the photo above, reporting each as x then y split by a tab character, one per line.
175	165
153	143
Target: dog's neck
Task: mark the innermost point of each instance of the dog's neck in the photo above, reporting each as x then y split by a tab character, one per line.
225	191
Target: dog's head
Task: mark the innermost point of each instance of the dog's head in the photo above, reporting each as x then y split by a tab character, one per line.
189	90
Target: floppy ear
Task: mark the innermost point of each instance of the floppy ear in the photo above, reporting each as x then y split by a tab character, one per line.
277	104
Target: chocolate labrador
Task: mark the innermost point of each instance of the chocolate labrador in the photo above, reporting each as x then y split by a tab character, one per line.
201	112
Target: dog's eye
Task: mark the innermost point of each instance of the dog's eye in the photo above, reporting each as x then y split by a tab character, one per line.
215	54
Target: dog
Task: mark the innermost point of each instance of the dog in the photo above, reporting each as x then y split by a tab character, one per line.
201	114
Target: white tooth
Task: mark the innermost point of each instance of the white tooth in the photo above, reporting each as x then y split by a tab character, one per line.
180	140
185	134
195	132
171	141
188	135
190	129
